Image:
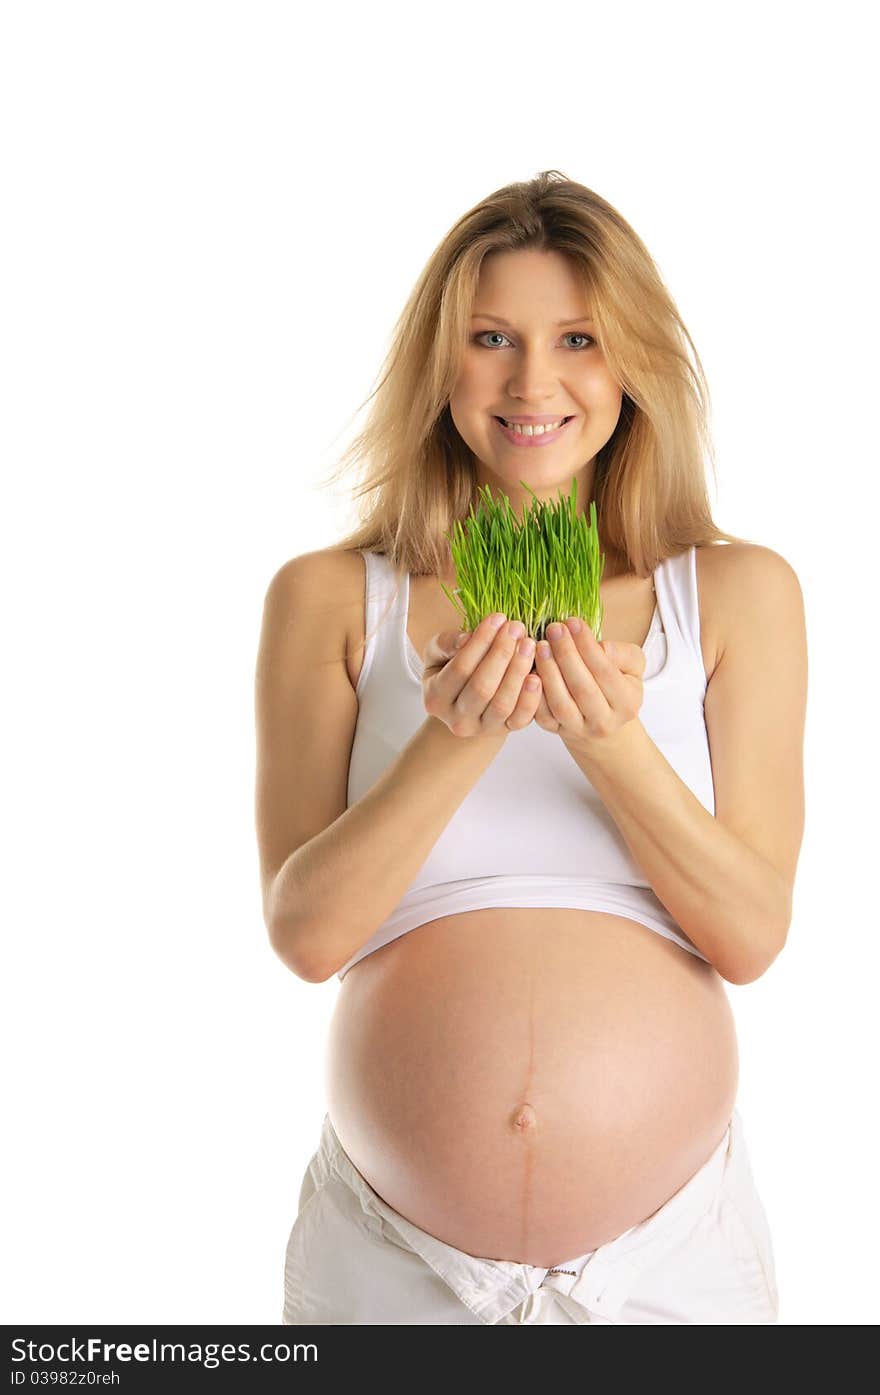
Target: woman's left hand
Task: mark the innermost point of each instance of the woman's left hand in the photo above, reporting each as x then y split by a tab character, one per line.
588	694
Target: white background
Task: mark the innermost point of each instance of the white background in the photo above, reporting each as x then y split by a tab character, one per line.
213	215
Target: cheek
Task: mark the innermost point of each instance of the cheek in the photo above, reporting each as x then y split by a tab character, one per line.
462	410
479	373
473	380
601	384
614	404
603	398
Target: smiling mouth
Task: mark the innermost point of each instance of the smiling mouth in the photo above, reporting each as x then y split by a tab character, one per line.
526	423
530	439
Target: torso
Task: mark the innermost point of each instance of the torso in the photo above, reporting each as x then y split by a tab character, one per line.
526	1084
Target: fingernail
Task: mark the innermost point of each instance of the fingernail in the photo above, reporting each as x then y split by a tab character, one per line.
496	621
462	639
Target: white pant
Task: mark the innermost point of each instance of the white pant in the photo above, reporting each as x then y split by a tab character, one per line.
704	1257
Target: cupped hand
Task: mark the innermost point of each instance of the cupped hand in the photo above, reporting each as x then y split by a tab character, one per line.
589	690
476	682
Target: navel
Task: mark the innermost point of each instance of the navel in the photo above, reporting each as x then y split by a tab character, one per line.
523	1118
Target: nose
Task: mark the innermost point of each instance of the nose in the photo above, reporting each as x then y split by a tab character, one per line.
533	380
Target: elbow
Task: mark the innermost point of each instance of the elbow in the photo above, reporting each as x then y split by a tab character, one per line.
311	972
293	953
750	973
754	963
292	940
298	964
311	975
766	939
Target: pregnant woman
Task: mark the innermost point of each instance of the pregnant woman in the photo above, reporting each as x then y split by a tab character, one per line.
532	872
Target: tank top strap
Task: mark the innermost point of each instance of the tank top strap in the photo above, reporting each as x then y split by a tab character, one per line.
383	601
675	581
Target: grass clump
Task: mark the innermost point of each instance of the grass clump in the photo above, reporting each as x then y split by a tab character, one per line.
544	568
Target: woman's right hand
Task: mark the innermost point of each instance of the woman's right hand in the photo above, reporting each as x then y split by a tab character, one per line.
478	689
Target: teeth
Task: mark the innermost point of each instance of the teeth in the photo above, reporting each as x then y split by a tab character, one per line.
533	430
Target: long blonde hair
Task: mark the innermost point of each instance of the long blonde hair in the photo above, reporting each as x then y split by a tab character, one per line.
417	475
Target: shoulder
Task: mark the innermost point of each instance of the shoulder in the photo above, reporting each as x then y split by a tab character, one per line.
327	584
328	576
739	582
328	565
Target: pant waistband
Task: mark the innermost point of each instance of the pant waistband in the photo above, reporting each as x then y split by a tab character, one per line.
492	1288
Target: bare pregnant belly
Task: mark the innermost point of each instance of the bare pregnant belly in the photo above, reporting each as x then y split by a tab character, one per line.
527	1084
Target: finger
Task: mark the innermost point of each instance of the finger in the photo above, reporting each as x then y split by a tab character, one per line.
606	657
503	703
471	680
489	690
444	646
442	649
544	717
527	704
561	702
617	667
629	658
591	677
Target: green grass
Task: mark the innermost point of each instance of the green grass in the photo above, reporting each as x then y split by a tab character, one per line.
543	568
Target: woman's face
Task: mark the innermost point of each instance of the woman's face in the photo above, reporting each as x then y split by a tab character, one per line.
534	366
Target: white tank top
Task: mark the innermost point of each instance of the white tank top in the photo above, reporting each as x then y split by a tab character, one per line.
532	831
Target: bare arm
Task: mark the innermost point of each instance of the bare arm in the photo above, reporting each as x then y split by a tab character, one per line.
331	874
334	891
730	900
727	879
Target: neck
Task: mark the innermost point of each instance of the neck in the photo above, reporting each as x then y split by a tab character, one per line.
614	566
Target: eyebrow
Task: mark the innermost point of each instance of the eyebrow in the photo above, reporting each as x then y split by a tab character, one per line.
484	315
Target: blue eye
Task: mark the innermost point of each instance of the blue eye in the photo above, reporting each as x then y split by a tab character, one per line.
574	334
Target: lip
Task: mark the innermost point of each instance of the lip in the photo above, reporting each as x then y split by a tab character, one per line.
544	439
535	420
